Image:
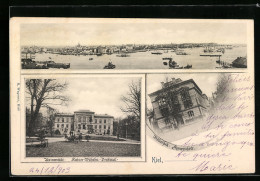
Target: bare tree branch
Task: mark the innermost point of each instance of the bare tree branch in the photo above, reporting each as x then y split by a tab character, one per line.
44	92
132	101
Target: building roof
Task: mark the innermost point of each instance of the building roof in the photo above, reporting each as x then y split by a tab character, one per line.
64	114
103	116
240	61
84	111
178	84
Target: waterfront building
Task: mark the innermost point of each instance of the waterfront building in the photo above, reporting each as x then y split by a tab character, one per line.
84	121
240	62
177	103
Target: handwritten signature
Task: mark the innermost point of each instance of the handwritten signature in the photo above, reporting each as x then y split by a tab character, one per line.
207	166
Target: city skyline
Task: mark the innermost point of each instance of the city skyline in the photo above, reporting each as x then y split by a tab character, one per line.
92	34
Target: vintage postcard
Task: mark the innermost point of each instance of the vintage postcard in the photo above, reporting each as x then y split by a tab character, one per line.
111	96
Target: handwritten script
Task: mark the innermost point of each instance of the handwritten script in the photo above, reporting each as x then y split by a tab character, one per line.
225	131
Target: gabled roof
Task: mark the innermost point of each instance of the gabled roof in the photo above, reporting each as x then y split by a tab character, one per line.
177	85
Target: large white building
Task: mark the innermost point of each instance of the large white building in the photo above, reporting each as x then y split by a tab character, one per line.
84	121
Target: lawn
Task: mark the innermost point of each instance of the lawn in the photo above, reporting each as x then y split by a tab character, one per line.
84	149
105	138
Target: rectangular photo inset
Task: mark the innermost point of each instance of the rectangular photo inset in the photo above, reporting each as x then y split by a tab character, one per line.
130	44
83	119
180	105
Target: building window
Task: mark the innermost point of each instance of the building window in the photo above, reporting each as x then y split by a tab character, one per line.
95	126
84	119
104	126
79	119
84	126
63	120
105	121
99	126
62	125
191	114
95	120
58	125
79	126
67	126
100	121
162	101
108	127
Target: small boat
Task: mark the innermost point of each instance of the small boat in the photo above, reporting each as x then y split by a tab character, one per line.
188	66
110	65
123	55
173	64
181	53
165	63
90	58
167	58
156	53
99	54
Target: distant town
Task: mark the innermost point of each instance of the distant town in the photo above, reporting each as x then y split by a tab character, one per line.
208	50
109	49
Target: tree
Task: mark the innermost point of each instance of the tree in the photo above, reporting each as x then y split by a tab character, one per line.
51	116
170	105
129	127
222	86
44	92
132	101
115	127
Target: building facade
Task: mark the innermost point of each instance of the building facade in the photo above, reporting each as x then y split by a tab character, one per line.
84	121
177	103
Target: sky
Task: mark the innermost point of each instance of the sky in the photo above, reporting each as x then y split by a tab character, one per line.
205	81
55	34
99	94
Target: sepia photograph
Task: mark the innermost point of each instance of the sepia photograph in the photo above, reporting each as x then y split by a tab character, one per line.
102	96
83	117
139	44
181	105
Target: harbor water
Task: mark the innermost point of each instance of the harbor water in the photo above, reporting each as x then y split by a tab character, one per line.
145	60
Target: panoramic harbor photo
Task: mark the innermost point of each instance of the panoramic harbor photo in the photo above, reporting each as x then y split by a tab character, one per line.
216	45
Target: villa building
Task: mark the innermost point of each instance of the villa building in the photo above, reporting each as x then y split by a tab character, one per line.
84	121
177	102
